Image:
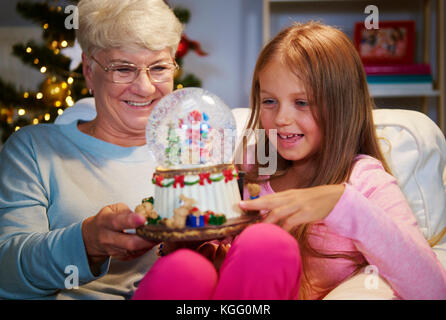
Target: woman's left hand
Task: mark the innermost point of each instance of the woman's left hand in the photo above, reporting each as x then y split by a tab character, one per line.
294	207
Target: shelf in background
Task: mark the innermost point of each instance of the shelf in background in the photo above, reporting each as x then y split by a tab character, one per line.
402	90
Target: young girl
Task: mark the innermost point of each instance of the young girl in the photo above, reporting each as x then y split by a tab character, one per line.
333	191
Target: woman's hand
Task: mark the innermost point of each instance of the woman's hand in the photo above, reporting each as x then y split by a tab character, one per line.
104	236
294	207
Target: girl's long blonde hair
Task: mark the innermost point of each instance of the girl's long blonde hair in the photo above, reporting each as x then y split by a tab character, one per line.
326	61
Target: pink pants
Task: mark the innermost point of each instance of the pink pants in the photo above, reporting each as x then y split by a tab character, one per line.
263	263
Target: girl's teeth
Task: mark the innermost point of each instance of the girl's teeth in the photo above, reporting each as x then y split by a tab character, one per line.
290	136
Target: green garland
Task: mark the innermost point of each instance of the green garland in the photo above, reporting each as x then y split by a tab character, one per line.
191	183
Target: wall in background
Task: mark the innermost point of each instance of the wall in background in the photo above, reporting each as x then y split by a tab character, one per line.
231	32
9	16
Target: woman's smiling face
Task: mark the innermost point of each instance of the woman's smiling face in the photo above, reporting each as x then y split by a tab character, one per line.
123	109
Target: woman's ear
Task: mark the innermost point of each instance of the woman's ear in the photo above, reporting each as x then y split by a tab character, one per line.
86	70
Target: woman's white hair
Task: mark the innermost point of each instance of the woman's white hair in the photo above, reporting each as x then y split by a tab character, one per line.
107	24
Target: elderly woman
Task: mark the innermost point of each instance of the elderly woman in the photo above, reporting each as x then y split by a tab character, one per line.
67	191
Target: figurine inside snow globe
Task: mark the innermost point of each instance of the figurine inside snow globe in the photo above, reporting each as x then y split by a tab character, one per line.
191	127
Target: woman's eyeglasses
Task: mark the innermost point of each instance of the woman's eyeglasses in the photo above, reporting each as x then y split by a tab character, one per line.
127	73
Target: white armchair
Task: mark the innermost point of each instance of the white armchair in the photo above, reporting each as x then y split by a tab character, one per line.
415	149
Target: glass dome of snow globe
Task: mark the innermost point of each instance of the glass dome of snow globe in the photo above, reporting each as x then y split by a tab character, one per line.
191	127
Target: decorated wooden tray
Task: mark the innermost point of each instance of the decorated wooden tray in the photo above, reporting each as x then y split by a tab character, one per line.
231	227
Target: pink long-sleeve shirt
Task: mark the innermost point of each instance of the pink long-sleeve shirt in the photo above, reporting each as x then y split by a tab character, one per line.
373	221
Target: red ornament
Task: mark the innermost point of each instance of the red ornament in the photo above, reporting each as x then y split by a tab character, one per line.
205	176
228	174
159	180
194	115
207	215
180	180
183	47
186	44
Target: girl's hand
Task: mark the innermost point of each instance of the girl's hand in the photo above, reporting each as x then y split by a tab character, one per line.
294	207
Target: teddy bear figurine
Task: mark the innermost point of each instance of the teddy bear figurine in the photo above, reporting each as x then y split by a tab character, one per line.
147	210
253	190
180	214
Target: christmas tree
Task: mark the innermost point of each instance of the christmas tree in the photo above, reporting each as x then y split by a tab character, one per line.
173	150
58	58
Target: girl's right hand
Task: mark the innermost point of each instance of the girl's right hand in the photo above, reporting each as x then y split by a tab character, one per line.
295	207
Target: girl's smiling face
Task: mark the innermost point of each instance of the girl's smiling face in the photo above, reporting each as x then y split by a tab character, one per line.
285	107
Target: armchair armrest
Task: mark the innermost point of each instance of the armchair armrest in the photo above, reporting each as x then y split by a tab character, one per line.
362	286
